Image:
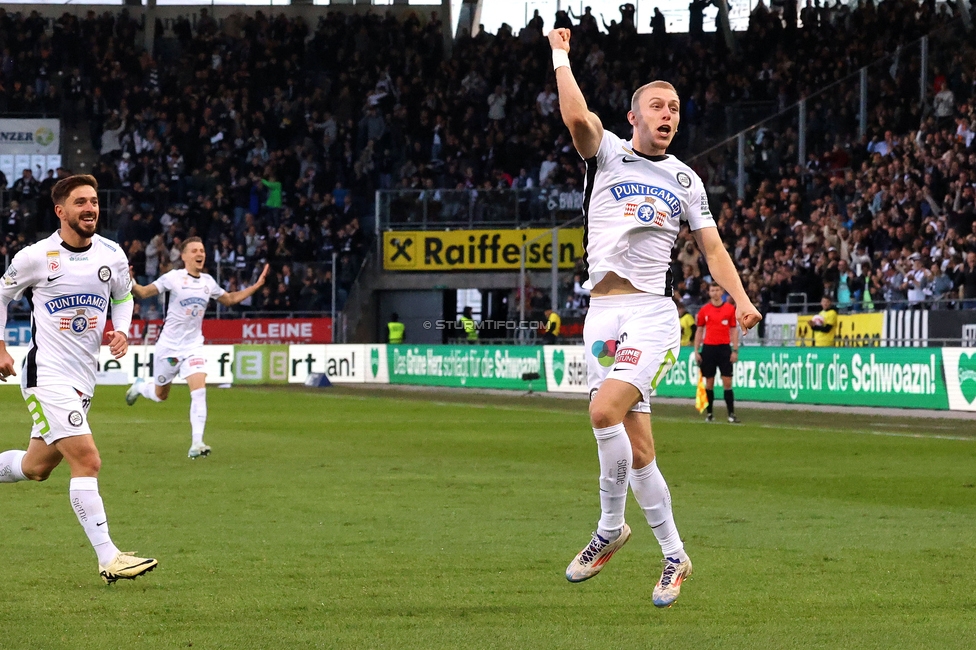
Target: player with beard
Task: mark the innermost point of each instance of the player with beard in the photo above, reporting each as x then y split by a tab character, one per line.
69	279
635	201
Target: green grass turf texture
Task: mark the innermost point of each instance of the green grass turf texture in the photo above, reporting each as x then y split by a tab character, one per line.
357	518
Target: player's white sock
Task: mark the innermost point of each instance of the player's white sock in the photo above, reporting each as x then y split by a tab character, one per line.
198	413
651	492
616	457
91	514
11	469
148	390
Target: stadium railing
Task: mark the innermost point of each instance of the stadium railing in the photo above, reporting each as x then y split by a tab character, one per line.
803	306
439	209
814	123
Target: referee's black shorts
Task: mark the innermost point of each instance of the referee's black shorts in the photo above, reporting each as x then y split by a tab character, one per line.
716	357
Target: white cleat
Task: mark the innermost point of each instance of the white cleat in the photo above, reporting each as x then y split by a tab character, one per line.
597	553
133	393
198	450
669	586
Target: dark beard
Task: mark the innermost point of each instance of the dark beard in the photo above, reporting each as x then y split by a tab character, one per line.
80	229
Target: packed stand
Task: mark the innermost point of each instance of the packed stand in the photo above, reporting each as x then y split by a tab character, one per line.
882	222
268	137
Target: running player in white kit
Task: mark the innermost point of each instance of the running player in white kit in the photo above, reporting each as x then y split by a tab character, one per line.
179	348
636	198
69	279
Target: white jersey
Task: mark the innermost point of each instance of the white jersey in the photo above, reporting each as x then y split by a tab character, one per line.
633	207
69	291
186	301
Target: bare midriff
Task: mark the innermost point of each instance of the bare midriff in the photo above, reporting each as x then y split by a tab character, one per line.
613	285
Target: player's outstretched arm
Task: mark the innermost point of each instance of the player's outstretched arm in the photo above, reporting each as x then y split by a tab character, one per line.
583	124
140	292
231	299
723	270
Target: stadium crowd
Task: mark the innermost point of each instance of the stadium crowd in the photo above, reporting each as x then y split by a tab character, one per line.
267	137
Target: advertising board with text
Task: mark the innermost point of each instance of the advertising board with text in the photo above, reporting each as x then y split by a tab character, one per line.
905	378
480	366
478	250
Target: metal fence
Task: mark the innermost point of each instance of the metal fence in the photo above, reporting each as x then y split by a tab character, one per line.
436	209
818	122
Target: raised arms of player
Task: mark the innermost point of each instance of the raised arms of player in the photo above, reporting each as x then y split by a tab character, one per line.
583	124
230	299
724	272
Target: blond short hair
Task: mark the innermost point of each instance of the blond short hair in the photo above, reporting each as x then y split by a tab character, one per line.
635	100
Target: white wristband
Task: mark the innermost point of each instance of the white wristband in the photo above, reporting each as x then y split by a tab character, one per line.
560	59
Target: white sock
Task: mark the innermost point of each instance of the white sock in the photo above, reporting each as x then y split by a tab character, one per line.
88	505
11	469
148	390
654	498
198	413
616	457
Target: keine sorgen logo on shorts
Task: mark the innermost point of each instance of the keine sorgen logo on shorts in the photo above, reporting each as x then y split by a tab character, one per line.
628	355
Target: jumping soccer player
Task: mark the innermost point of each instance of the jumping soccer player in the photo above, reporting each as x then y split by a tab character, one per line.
720	350
179	348
636	197
69	280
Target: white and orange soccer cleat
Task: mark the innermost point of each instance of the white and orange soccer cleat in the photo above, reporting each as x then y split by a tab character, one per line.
591	559
669	586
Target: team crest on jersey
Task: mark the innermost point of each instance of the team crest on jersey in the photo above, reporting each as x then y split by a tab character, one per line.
104	274
79	323
53	261
648	213
684	180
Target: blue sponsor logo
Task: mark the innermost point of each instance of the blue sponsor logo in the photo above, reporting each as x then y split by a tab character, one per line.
75	301
189	302
625	190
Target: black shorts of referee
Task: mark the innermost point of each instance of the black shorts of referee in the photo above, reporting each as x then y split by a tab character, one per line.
716	357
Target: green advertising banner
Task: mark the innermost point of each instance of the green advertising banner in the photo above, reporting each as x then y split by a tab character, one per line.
898	377
480	366
260	364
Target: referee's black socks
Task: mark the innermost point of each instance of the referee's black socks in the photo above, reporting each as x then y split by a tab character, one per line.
710	394
730	401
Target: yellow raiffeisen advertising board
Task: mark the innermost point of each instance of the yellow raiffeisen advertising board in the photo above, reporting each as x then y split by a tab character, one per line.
853	330
478	250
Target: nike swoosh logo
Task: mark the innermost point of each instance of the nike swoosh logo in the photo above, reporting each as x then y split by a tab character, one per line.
631	160
52	278
616	369
103	523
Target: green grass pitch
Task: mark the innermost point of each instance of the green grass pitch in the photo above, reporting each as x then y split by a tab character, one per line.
355	518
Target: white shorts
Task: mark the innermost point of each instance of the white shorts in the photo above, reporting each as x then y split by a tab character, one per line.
634	338
58	412
167	365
